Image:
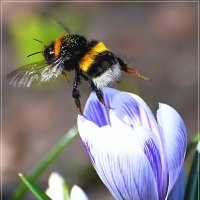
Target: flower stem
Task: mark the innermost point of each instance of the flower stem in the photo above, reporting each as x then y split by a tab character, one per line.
46	161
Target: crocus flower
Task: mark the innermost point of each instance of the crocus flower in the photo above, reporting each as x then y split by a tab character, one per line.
178	190
136	156
57	189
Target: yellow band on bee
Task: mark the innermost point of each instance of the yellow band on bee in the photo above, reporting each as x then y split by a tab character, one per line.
89	58
57	46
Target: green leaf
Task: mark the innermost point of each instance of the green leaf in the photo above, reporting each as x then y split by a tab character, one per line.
46	161
39	194
193	187
193	143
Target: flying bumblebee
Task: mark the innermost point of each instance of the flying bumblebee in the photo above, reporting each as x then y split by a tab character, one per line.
90	59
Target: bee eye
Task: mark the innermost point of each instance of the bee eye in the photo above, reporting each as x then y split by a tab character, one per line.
49	54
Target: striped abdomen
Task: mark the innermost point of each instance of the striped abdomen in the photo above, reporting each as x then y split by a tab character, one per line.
100	65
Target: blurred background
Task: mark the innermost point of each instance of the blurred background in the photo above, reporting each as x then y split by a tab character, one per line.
158	39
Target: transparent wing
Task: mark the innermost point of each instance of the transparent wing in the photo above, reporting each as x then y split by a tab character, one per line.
36	73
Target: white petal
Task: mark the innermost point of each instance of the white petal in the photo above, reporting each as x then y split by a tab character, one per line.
198	147
77	193
55	189
174	140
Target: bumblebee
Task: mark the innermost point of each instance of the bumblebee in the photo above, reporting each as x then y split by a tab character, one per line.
90	59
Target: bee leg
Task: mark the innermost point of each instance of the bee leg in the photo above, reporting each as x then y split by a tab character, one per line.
132	72
66	76
75	93
99	94
76	96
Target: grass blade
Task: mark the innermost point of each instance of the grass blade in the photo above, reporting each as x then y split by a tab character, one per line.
39	194
46	161
193	186
193	143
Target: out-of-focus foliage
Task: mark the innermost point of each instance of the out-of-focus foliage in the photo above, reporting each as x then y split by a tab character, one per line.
43	27
192	144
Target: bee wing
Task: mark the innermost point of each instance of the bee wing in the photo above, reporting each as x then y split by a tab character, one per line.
37	73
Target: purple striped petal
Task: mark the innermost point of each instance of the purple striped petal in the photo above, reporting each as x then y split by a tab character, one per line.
127	162
131	110
95	111
136	157
174	139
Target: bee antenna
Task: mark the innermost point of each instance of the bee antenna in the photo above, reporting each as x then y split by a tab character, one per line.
34	53
40	42
60	23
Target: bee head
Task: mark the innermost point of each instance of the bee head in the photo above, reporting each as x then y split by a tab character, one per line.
49	53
